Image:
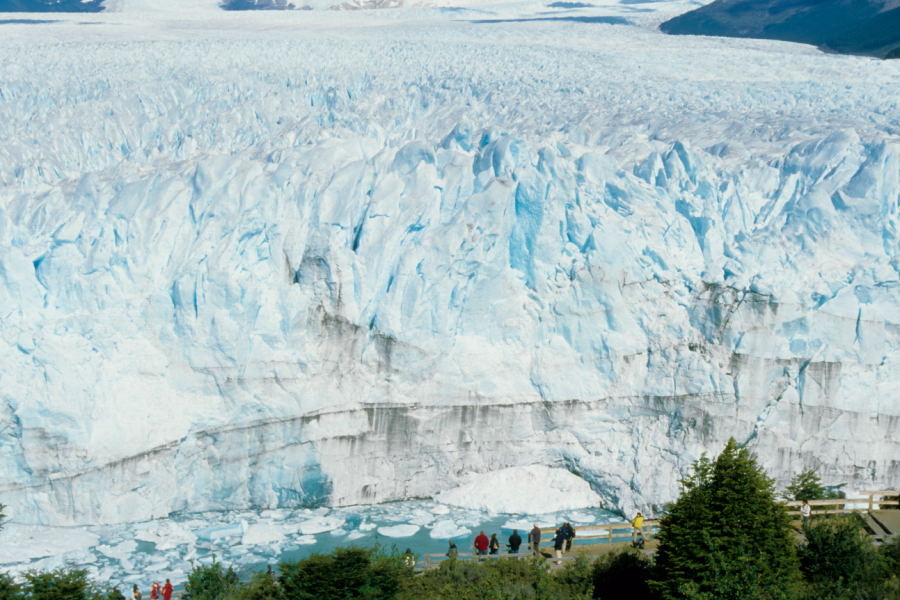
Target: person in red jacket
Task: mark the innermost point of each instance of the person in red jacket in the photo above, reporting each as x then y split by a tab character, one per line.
481	544
167	590
154	591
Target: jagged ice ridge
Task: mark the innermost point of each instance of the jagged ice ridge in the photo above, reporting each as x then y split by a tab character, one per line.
340	269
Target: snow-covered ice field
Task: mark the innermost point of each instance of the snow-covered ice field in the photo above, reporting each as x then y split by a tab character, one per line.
257	260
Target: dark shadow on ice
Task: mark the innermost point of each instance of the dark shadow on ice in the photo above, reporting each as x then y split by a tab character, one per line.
603	20
464	9
262	5
26	21
570	5
31	6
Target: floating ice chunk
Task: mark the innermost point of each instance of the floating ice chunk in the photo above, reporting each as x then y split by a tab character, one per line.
533	489
422	518
320	525
120	551
338	532
519	524
446	529
165	534
440	509
305	540
398	531
355	535
220	531
262	533
27	542
367	526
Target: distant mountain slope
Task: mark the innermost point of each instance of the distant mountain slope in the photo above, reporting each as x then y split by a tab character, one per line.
51	5
851	26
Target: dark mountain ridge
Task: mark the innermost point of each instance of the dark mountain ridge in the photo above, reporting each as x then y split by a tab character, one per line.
869	27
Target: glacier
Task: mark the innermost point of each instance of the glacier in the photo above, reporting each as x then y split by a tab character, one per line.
322	259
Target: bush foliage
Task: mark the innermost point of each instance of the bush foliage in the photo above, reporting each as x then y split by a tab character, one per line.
505	579
840	563
211	582
345	574
623	575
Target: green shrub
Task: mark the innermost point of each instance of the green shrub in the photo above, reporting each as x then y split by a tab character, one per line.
345	574
890	550
726	536
61	584
577	576
840	563
211	582
262	586
504	579
623	575
9	589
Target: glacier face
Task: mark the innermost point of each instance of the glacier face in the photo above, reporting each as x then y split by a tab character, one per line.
348	260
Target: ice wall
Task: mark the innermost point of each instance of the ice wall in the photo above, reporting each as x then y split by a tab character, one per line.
292	273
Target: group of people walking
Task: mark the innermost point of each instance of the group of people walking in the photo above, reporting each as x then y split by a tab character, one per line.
157	592
563	537
483	545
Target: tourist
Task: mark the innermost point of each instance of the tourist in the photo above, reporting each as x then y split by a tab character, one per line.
452	551
494	544
534	539
805	512
559	544
135	593
515	540
481	544
409	559
167	590
570	535
155	590
637	528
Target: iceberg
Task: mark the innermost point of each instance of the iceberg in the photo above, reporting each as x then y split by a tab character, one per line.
399	531
446	529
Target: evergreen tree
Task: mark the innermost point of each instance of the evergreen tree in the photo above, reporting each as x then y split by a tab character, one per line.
211	582
727	537
59	584
9	589
806	486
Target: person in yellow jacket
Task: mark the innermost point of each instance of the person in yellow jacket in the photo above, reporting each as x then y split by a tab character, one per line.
637	527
